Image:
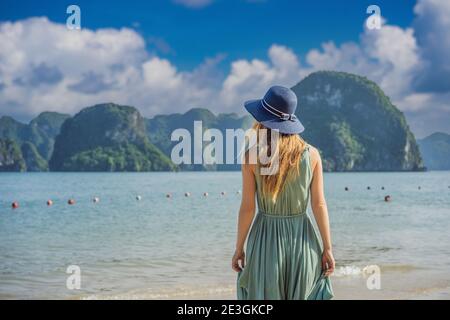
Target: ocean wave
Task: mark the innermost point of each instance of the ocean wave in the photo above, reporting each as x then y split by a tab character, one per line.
353	270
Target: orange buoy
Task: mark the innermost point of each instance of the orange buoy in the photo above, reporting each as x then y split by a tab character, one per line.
49	202
71	201
15	205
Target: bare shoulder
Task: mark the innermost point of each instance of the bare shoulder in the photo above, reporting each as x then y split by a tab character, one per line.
314	156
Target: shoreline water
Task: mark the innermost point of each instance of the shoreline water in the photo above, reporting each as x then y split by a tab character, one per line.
180	247
410	285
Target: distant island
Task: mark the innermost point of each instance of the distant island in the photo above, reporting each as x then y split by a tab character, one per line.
347	117
435	151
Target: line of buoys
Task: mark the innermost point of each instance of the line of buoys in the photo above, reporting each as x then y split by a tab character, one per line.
368	188
205	194
71	201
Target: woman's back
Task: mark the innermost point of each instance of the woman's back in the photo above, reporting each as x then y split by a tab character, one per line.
283	247
294	196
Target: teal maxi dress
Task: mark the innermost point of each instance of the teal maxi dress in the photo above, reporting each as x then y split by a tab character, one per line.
283	252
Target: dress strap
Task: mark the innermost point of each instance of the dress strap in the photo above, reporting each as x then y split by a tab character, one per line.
306	150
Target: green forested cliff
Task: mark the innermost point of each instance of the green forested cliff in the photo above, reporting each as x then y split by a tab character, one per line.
34	140
10	156
106	137
354	124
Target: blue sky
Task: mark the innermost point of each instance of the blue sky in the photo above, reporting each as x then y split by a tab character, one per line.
237	28
170	56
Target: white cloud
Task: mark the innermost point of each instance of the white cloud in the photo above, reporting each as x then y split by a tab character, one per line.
160	74
388	56
38	44
395	53
250	79
81	68
432	25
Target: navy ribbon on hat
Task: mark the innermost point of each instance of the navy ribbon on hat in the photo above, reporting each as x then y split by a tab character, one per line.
283	116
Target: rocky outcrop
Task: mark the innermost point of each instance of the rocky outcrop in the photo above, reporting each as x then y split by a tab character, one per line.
106	137
354	124
10	156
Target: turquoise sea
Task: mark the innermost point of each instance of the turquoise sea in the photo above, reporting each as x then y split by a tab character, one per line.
181	247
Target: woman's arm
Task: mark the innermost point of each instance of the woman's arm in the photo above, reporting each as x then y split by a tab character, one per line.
246	214
320	210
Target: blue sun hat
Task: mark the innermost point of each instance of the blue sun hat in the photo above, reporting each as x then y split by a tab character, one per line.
276	110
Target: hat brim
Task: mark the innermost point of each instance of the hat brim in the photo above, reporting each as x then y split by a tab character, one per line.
255	108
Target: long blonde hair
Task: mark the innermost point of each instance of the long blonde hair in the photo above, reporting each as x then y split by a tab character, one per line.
289	148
